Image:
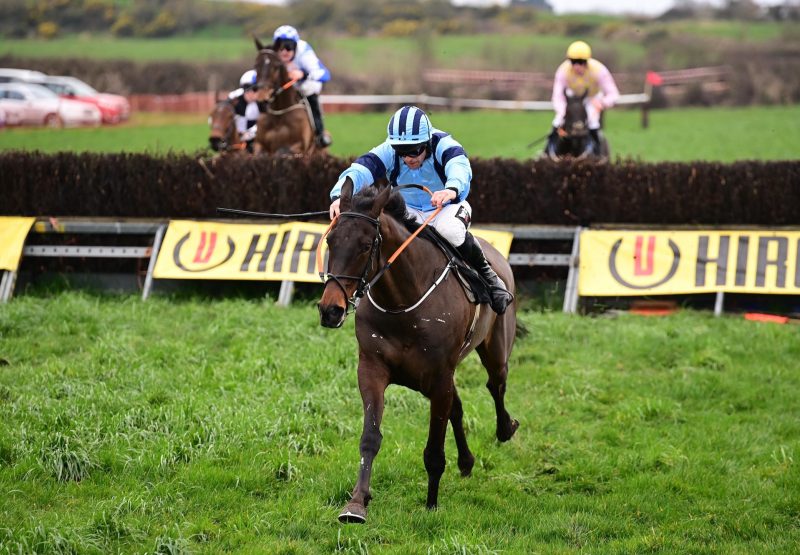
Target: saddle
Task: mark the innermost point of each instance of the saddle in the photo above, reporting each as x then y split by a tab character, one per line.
475	288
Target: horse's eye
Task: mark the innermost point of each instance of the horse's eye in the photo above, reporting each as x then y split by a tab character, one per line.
365	247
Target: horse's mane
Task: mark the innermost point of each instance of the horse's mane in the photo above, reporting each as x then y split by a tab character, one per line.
396	207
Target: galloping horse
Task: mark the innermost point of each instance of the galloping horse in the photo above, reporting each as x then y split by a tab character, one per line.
413	328
286	125
223	136
573	136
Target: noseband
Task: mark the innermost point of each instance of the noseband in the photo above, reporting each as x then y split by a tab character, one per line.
363	284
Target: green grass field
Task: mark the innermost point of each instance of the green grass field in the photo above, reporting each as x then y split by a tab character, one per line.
231	426
719	134
513	49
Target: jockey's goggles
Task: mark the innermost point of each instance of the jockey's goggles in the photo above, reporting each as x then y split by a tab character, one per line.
287	45
577	62
410	150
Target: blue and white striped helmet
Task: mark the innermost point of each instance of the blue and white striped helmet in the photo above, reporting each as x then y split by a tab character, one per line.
248	79
286	32
409	125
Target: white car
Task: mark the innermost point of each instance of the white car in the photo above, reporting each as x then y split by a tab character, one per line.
28	104
8	74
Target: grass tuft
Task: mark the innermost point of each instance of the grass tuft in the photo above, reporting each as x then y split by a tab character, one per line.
66	459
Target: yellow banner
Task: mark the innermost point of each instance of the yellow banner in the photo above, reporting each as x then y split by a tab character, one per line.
212	250
501	240
618	263
13	231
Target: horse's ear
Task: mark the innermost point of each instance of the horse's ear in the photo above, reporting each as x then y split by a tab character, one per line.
346	197
585	94
380	201
259	46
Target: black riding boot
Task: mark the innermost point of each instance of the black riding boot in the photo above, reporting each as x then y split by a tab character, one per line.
471	250
323	137
552	140
594	136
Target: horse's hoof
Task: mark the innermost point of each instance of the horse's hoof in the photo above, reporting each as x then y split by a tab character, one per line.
508	434
465	466
353	513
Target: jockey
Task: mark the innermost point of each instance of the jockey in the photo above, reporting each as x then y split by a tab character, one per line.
581	73
303	64
415	152
245	107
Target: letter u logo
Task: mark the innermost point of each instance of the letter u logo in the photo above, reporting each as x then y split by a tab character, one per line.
205	248
643	262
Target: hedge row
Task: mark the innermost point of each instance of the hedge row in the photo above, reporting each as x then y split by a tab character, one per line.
503	191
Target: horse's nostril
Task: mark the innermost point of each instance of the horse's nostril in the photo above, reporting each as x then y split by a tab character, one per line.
331	316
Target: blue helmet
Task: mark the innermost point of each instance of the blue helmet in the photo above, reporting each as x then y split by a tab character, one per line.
409	125
286	32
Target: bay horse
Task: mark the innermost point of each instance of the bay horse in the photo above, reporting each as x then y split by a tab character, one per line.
413	328
223	136
286	125
573	136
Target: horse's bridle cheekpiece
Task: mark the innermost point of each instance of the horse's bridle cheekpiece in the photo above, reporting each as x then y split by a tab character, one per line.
363	285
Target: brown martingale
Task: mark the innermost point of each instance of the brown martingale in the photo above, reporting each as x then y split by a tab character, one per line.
410	331
285	126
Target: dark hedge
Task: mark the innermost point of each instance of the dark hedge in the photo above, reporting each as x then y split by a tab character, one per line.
503	191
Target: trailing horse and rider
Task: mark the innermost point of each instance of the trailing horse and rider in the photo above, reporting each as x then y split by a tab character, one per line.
277	103
583	88
287	125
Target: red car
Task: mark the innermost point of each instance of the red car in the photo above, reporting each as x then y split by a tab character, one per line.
113	107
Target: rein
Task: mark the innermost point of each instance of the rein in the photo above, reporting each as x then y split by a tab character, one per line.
267	215
278	90
364	286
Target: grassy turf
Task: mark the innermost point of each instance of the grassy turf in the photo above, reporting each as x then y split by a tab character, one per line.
720	134
511	49
179	426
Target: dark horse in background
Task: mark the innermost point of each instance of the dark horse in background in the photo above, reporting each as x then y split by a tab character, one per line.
408	332
574	141
286	125
223	136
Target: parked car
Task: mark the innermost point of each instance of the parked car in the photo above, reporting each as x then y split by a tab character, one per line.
29	104
8	75
113	107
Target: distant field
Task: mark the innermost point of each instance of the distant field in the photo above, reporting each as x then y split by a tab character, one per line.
719	134
199	49
514	51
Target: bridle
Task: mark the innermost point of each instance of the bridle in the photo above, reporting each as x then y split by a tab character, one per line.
363	285
230	130
277	90
577	128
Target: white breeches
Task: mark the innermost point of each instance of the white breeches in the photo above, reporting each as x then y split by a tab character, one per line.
309	87
452	222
